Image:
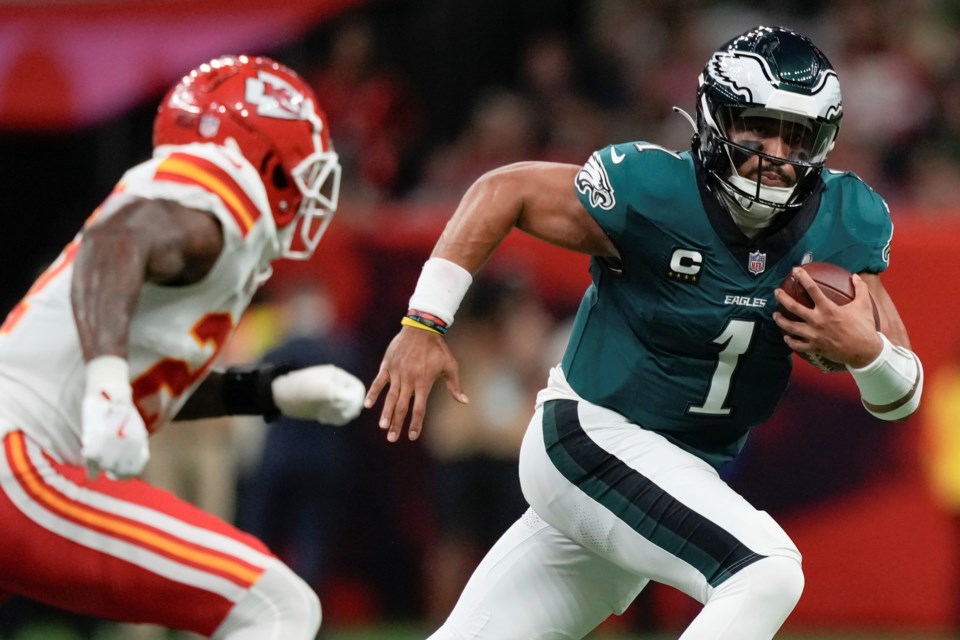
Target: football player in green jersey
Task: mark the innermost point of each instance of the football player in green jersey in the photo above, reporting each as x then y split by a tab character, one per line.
676	353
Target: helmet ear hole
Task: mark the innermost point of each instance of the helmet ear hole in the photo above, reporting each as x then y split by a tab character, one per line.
279	177
283	194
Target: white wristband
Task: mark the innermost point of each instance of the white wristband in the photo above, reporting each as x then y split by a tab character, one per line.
110	374
891	385
441	288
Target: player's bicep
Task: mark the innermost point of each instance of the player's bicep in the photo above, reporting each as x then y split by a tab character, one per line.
891	324
186	247
552	211
171	243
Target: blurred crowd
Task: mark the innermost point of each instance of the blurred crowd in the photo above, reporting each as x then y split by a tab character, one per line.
613	70
576	77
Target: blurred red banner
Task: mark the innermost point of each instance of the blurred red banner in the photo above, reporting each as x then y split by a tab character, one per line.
73	64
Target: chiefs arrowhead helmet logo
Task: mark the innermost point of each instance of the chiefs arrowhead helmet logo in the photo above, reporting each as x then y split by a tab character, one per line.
275	98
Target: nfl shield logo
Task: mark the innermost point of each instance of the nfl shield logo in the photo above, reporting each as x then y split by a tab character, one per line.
756	262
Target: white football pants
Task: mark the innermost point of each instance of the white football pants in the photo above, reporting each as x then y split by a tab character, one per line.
613	507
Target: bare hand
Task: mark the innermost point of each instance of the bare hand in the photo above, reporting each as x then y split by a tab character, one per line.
842	333
412	363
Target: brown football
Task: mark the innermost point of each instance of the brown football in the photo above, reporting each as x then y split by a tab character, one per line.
836	284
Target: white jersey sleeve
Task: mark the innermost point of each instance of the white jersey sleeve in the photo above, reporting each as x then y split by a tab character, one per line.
177	331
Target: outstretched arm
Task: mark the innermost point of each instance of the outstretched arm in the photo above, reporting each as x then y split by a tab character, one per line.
535	197
324	393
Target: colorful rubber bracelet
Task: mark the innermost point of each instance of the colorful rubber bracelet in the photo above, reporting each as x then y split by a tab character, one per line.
423	315
410	322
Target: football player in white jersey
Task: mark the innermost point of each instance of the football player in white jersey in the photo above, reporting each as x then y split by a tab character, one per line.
118	337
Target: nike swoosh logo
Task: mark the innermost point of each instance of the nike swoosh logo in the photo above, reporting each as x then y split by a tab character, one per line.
122	431
616	157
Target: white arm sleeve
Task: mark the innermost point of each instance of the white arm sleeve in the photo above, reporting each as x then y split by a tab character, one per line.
891	385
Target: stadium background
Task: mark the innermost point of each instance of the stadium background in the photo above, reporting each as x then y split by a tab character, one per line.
872	506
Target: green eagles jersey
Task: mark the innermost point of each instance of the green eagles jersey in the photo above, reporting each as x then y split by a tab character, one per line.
678	336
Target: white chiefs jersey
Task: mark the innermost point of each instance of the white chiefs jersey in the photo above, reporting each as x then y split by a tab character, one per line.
176	332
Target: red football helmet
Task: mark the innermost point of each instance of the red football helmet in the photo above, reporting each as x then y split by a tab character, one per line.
271	115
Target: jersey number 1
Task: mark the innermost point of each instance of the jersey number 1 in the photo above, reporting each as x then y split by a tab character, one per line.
735	340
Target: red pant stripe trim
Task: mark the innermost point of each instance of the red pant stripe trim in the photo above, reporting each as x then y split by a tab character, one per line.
178	550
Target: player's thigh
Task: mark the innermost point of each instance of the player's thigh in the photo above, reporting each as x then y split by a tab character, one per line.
537	584
121	550
636	499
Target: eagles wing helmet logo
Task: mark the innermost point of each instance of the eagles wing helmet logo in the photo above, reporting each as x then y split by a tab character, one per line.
275	98
748	75
593	181
734	71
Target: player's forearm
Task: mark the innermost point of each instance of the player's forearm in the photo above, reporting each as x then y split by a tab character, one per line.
891	384
891	324
487	212
206	401
323	393
108	275
489	209
240	390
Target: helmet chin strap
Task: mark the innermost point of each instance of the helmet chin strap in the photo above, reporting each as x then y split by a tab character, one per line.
749	215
